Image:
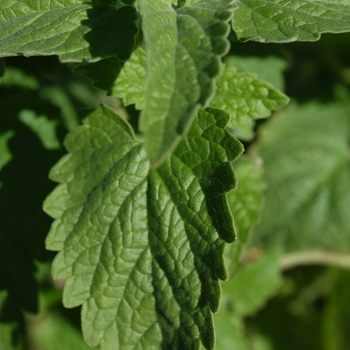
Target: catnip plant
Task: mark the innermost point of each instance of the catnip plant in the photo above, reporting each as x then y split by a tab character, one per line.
142	211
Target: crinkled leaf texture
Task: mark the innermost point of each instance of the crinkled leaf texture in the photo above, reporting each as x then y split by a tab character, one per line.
287	21
183	49
142	249
73	29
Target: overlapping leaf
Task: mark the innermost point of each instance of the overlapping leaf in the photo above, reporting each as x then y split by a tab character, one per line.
72	29
306	158
142	249
244	96
183	48
286	21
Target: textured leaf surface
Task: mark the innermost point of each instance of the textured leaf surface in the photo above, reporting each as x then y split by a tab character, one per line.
131	80
287	21
72	29
306	159
244	96
142	249
183	48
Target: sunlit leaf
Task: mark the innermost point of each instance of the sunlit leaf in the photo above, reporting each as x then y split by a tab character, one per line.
286	21
183	49
142	249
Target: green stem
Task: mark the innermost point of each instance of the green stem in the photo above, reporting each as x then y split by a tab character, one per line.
315	257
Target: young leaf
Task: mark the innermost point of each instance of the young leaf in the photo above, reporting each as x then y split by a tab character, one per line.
72	29
142	249
287	21
183	48
244	96
307	171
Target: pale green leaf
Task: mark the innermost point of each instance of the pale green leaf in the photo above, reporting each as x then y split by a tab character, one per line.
244	96
131	80
230	331
44	128
287	21
53	332
307	171
246	202
269	69
183	49
72	29
142	249
16	77
253	285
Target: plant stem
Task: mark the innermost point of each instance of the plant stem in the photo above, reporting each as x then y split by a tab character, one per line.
315	257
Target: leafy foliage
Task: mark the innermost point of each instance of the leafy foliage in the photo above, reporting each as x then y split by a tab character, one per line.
191	41
120	277
143	209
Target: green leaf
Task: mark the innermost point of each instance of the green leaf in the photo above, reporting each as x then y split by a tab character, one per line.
246	202
5	154
269	69
244	96
253	285
131	80
142	249
73	30
286	21
53	332
44	128
306	159
230	331
183	49
102	73
16	77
